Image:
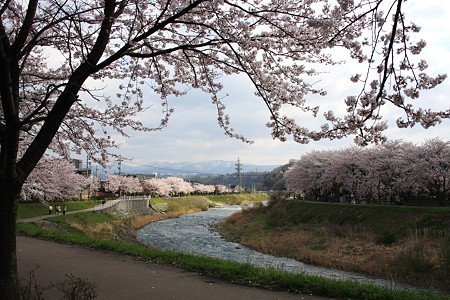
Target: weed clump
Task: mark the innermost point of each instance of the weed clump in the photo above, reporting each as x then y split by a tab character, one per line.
70	288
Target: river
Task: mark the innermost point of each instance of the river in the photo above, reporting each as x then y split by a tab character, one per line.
191	234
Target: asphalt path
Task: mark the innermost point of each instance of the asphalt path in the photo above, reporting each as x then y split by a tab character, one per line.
123	277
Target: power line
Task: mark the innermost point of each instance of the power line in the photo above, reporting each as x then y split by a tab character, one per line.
170	169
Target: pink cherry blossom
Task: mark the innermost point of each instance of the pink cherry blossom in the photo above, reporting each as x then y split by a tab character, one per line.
56	57
384	174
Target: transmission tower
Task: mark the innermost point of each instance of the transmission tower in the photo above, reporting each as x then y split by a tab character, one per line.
238	171
120	165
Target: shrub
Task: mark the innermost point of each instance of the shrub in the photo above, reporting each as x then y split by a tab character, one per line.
75	288
387	238
29	289
414	260
72	288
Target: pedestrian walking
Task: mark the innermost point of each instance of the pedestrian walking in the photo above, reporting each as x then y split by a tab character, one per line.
64	209
57	209
50	209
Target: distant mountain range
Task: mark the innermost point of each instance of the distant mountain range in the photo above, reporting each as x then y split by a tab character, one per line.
213	167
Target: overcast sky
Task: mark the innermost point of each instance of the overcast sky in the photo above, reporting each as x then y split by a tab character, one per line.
193	134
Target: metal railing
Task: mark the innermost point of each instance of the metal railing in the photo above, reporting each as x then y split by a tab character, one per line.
142	197
115	202
106	205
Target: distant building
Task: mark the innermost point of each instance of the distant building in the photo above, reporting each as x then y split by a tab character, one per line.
80	169
142	177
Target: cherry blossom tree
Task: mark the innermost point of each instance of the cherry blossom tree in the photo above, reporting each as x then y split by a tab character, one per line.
394	172
55	56
178	186
432	167
54	179
350	172
121	184
390	171
157	186
306	175
222	189
93	185
203	188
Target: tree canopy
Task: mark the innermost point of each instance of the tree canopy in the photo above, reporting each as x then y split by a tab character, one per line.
173	46
56	179
393	173
55	53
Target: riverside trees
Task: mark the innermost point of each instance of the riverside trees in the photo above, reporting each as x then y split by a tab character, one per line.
54	53
163	187
55	178
391	173
123	184
175	186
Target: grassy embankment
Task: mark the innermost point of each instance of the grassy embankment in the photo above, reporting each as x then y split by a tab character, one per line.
405	244
29	210
109	233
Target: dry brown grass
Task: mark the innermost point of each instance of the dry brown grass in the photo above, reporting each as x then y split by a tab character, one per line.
173	208
140	221
343	249
102	231
348	254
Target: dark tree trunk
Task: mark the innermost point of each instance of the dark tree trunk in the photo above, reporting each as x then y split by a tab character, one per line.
14	171
10	186
8	258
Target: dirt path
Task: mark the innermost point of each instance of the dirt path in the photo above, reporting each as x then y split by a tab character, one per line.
122	277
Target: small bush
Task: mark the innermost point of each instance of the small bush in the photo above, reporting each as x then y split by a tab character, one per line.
414	260
275	198
72	288
75	288
387	238
29	289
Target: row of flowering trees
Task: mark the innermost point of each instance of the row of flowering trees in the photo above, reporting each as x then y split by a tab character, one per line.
170	186
56	179
395	172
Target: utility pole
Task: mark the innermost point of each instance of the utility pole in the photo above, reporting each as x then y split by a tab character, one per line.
95	179
120	171
238	171
87	166
120	165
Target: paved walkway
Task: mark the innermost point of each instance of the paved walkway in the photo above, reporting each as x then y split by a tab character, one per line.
43	217
122	277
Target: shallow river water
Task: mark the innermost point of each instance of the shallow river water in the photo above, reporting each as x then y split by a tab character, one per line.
191	234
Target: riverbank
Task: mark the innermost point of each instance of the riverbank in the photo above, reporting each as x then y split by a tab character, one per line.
192	234
404	244
112	233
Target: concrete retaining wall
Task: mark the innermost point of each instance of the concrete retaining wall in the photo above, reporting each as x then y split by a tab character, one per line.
125	203
129	204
